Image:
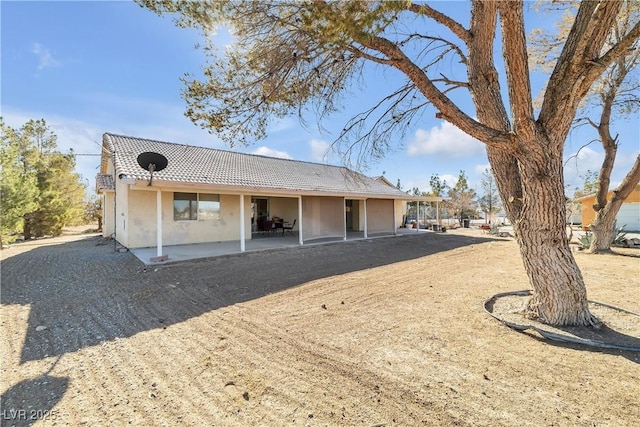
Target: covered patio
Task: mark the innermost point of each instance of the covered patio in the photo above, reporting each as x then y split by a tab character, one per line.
188	252
204	202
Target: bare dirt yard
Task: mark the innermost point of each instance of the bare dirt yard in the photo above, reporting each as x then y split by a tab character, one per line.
382	332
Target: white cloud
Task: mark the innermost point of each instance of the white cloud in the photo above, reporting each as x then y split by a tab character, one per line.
46	59
319	150
578	164
479	169
445	139
625	161
81	137
282	125
270	152
136	117
451	180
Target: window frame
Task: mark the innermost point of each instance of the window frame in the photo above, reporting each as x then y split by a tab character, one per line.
216	210
192	210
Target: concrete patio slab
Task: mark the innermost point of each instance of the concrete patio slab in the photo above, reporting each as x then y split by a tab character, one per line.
175	253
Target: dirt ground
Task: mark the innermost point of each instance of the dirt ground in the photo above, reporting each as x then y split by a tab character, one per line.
383	332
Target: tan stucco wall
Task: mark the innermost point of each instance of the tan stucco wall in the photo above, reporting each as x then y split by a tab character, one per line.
588	214
284	207
142	216
358	216
108	198
400	207
107	214
322	217
379	215
122	209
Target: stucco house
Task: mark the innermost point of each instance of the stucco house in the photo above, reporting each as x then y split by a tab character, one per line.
628	215
210	195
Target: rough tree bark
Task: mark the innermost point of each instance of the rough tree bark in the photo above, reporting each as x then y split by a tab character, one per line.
536	200
606	210
525	154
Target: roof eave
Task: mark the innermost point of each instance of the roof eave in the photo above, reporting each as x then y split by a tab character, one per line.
141	184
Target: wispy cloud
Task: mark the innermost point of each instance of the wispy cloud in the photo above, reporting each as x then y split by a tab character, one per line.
445	139
319	150
72	134
45	57
450	180
282	125
578	164
480	169
270	152
135	117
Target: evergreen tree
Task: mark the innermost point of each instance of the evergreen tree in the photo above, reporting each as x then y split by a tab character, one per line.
462	198
18	184
490	202
438	186
41	193
93	212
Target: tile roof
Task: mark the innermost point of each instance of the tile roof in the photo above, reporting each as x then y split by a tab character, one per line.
200	165
104	181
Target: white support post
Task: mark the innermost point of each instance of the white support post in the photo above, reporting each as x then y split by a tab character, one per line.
300	220
395	225
417	216
242	237
344	219
366	225
159	222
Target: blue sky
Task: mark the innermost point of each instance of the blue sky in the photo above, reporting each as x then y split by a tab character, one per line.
111	66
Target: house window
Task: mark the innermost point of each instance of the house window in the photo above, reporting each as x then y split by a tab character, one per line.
194	206
185	206
208	206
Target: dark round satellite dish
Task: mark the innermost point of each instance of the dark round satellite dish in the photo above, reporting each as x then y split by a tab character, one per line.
152	162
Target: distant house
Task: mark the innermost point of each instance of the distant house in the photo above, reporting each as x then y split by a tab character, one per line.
628	215
209	195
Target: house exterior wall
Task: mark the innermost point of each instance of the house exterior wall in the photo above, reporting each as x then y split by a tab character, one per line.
122	213
400	206
322	217
107	213
628	217
380	215
284	207
142	218
588	214
358	217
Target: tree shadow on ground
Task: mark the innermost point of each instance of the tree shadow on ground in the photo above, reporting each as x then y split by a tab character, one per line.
632	356
630	253
508	307
82	293
20	406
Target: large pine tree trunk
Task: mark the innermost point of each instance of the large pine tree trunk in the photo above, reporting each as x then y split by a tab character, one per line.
26	228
